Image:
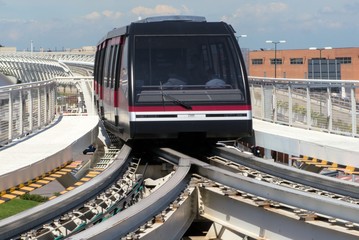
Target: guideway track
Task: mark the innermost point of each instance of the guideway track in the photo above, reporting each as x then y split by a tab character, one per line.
293	197
273	194
131	218
238	213
126	191
34	217
293	174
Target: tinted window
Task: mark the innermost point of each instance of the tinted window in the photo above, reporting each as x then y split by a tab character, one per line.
186	62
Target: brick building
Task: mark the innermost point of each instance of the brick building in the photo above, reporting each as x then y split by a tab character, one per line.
336	63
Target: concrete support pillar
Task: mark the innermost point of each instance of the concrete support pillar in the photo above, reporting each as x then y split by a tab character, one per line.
268	154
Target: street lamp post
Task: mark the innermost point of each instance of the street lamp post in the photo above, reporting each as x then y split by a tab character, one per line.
275	54
244	51
320	71
320	57
241	36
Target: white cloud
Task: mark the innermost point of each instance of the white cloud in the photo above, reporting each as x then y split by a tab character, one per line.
157	10
111	14
15	21
92	16
260	20
260	11
104	14
272	16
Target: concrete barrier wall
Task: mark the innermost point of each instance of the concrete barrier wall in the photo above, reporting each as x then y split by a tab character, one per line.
38	160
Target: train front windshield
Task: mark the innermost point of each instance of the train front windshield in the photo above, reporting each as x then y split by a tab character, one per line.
195	70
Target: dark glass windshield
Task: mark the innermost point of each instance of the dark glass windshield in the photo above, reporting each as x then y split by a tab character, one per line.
182	67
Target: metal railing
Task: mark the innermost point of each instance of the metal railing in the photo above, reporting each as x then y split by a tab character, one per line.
325	105
25	108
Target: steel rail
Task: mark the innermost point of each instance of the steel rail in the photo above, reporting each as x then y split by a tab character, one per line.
252	173
293	174
259	218
312	202
32	218
176	219
133	217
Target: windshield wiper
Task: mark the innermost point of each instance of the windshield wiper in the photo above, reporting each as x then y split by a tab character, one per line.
174	100
177	101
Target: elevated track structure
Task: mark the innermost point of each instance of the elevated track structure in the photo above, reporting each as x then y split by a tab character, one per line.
299	209
243	196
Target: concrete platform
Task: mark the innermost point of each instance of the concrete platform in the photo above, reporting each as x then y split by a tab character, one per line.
46	150
296	141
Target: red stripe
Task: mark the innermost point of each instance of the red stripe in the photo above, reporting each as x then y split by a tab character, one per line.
194	108
115	98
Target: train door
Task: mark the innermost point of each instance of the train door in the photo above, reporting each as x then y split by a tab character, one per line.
100	55
122	86
111	65
116	79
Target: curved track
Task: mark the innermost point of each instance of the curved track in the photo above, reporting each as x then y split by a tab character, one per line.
133	217
267	180
330	204
289	173
34	217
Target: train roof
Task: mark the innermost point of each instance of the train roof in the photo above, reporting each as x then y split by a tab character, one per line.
167	25
173	18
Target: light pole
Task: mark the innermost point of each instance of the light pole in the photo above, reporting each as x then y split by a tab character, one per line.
320	57
275	54
241	36
320	71
244	51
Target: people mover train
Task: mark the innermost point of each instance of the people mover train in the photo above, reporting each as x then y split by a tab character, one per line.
172	77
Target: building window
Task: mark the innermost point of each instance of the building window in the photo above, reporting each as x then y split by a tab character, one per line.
344	60
296	61
257	61
276	61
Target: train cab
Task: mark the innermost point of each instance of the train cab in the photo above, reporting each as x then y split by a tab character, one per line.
172	76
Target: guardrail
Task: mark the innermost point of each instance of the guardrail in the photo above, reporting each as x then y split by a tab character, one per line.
325	105
25	108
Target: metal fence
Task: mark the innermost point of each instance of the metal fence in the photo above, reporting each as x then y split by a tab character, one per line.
25	108
324	105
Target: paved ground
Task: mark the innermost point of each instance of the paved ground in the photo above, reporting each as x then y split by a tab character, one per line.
49	189
55	186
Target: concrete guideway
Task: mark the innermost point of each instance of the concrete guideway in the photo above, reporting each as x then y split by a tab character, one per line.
296	141
136	215
43	151
236	215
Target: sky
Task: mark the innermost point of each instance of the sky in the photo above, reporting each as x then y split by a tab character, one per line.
57	25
